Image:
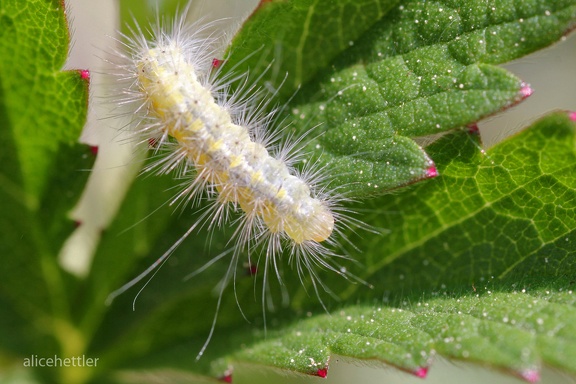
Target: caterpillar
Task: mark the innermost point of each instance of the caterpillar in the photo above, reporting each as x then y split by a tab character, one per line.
221	142
238	170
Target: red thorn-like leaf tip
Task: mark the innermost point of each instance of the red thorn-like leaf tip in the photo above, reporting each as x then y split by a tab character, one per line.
526	91
421	372
473	129
572	116
85	74
216	63
94	149
531	376
432	171
322	373
226	378
77	223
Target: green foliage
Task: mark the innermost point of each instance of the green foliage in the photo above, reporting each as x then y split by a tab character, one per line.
474	264
499	214
479	227
42	111
33	48
475	326
423	69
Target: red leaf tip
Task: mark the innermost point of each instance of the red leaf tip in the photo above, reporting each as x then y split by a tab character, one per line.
432	171
473	129
530	375
84	74
322	373
526	91
421	372
216	63
226	378
94	149
572	116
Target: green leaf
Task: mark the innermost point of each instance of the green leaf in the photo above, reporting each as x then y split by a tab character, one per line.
502	224
423	69
500	214
42	111
38	97
517	331
301	37
446	242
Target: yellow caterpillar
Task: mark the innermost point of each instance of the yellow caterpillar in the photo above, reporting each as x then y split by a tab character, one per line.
223	153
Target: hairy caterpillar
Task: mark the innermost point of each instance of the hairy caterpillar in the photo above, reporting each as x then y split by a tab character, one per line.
221	142
236	170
